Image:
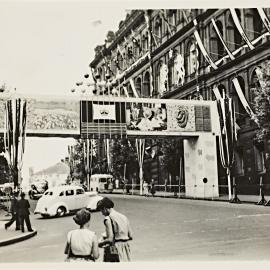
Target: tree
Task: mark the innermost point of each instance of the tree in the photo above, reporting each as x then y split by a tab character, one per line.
78	161
170	159
124	156
262	103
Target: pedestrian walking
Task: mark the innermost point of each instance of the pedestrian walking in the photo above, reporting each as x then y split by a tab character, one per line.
153	187
115	240
23	211
14	212
82	243
145	188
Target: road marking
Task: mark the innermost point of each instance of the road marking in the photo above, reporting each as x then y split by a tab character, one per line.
255	215
186	232
216	230
203	231
191	220
212	219
49	246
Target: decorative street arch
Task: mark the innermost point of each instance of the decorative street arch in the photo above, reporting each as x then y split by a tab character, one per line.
94	117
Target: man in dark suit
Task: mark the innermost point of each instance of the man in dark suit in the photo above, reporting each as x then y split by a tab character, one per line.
24	213
14	212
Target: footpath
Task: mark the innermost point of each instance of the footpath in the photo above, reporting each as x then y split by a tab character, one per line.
11	236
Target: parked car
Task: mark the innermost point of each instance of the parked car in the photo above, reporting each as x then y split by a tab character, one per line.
62	200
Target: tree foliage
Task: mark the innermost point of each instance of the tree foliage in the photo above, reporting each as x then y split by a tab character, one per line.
262	102
78	162
171	151
123	154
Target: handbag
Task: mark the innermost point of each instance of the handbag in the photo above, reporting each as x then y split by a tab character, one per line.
111	252
67	250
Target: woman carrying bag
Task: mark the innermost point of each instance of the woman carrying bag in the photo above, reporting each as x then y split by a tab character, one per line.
118	233
82	244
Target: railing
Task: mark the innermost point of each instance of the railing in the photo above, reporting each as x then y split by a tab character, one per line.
249	193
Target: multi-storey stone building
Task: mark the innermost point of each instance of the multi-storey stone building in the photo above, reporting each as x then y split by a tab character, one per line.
155	53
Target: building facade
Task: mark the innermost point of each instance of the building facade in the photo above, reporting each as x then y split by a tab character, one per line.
157	54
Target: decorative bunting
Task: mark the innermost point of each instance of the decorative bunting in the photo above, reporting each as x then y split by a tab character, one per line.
201	46
240	29
264	18
221	39
242	97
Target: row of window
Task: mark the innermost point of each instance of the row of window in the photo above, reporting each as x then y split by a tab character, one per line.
249	18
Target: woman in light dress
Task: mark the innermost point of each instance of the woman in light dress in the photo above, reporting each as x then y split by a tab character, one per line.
82	243
117	229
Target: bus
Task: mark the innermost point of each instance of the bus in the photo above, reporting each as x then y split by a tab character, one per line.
101	183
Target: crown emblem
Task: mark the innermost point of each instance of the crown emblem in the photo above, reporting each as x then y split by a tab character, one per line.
104	112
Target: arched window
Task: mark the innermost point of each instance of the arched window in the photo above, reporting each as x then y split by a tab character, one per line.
129	89
234	39
253	23
145	43
146	85
240	111
120	60
138	86
171	72
172	18
158	29
191	58
216	46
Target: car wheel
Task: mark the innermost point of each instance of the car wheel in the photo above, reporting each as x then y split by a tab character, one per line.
61	211
44	216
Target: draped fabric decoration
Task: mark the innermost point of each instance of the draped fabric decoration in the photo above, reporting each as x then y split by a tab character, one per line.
242	97
162	12
71	160
201	46
15	136
240	28
107	149
222	40
150	38
228	136
180	69
126	91
217	93
264	18
86	160
148	26
140	147
133	88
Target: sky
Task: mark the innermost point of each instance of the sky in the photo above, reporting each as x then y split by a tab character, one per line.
45	48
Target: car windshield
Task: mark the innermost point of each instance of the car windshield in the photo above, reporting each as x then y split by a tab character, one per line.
103	180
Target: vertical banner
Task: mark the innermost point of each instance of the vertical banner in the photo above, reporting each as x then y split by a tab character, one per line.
240	29
201	46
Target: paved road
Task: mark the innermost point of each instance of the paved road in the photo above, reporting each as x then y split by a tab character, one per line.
165	230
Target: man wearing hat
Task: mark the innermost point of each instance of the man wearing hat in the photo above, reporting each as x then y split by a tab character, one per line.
14	212
23	207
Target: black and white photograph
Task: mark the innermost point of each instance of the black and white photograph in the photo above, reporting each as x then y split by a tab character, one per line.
134	132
